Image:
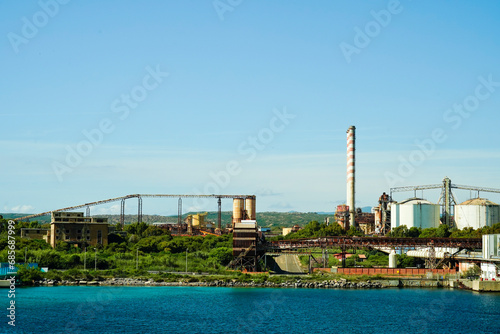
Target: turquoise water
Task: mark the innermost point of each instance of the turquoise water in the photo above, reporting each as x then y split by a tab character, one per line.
75	309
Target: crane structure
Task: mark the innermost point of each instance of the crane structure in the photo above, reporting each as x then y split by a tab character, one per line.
139	197
446	199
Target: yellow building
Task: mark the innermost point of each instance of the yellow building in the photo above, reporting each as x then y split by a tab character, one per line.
74	228
198	220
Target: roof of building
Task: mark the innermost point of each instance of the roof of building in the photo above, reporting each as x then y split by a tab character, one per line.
415	200
478	201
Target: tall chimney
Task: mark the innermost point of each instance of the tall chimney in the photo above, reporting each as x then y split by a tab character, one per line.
351	173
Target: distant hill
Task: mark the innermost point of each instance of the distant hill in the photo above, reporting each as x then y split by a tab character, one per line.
42	219
265	219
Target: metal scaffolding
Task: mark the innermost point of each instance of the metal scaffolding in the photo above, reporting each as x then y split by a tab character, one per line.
139	197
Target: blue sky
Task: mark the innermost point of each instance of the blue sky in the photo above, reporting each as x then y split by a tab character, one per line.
244	97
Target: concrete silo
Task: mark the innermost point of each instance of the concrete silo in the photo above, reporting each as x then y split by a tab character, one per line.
414	212
476	213
250	208
238	210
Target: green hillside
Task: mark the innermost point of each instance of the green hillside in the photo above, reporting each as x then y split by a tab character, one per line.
265	219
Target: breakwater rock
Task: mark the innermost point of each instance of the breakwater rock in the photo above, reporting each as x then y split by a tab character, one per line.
327	284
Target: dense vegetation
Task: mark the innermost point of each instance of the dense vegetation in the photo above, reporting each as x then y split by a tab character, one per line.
146	248
274	220
443	231
314	229
149	248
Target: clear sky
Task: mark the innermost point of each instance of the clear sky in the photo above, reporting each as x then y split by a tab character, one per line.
101	99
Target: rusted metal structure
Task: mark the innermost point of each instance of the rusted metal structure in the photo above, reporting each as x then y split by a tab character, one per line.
383	214
342	216
139	197
247	246
345	242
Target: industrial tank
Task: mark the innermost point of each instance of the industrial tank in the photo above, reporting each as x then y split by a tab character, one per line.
238	207
476	213
250	207
393	259
414	212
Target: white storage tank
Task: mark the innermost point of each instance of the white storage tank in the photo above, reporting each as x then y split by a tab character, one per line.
393	259
476	213
415	212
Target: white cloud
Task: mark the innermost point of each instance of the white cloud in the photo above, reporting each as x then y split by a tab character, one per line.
111	210
281	206
19	209
267	192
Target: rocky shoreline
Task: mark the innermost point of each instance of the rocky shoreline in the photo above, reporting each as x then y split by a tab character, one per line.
327	284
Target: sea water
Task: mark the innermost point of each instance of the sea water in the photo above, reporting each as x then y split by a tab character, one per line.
91	309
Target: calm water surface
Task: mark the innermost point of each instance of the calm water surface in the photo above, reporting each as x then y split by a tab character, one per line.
75	309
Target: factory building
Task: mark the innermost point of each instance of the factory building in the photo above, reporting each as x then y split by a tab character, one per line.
477	213
415	212
288	230
74	228
342	216
198	220
35	233
366	221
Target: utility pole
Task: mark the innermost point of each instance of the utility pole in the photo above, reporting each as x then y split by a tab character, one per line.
137	260
25	254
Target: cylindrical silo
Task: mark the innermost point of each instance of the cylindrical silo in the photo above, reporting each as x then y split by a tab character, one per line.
415	212
250	207
393	260
238	207
477	213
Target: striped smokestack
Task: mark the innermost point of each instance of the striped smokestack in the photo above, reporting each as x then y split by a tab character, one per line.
351	173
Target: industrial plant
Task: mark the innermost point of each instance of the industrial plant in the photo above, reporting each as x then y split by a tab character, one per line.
249	240
413	212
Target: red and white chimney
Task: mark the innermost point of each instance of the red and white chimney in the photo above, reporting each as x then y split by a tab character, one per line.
351	173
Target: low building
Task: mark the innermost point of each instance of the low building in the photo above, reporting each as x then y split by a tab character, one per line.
293	229
366	222
36	233
198	220
74	228
339	256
